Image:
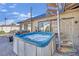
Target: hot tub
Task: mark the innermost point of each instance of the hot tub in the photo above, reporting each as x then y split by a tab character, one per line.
34	44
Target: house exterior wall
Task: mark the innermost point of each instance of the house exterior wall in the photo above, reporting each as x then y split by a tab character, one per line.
68	28
68	14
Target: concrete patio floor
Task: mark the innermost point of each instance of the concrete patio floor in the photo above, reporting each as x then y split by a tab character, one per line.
6	48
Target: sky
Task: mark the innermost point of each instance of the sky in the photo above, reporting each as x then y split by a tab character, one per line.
15	12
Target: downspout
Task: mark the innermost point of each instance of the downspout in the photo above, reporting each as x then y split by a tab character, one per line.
58	26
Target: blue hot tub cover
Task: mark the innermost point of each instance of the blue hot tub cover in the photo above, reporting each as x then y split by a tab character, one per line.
39	39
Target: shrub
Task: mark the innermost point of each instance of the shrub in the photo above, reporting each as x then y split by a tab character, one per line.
2	32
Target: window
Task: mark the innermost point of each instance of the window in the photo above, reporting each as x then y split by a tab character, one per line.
44	26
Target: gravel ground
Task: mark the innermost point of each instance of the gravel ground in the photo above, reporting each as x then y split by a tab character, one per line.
6	48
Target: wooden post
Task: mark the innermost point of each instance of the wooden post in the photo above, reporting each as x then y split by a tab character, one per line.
38	27
31	17
47	19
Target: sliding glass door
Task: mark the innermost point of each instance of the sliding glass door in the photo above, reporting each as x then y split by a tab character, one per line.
44	26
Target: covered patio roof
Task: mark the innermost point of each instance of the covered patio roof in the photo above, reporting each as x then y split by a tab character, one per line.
36	17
